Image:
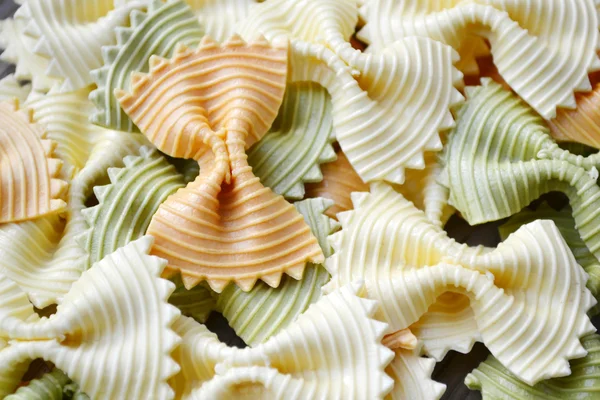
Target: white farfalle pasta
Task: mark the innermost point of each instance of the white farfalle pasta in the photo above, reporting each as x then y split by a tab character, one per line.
531	40
373	115
69	34
412	377
309	359
374	95
517	292
114	317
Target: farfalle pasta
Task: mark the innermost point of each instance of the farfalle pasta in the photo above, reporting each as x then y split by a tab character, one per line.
155	30
566	225
531	40
306	360
167	161
263	311
500	158
94	319
304	122
70	35
240	230
492	379
407	263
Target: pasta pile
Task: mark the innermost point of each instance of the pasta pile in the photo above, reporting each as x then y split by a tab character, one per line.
164	160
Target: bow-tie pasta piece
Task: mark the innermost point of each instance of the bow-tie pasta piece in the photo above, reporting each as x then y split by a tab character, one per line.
566	225
18	50
582	124
219	18
29	174
126	205
500	158
493	380
531	40
339	180
114	317
300	139
225	226
407	262
154	31
70	35
374	113
50	386
309	359
10	89
44	256
263	311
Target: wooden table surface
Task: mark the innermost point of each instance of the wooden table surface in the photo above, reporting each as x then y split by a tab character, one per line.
450	371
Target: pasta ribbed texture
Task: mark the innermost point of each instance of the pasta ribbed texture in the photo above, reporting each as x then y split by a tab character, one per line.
339	180
127	204
412	377
43	256
497	383
394	247
333	350
65	118
18	49
29	174
225	226
219	18
566	225
153	32
11	89
373	116
50	386
114	317
264	311
70	34
531	40
500	158
422	188
299	140
581	125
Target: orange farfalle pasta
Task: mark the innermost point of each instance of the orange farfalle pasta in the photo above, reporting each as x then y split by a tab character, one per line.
339	180
29	183
582	124
211	104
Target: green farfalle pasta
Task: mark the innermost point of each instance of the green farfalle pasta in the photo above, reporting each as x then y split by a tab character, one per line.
127	204
497	383
500	158
299	140
566	225
155	32
257	315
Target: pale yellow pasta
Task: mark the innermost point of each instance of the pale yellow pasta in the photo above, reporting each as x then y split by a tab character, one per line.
70	34
115	317
544	49
518	292
308	359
